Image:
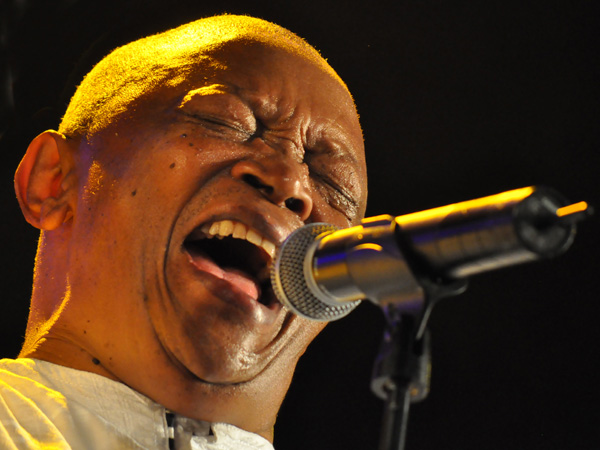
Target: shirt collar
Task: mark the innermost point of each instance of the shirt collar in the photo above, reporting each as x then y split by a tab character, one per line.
134	414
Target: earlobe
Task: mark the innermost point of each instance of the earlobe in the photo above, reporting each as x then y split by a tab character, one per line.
43	181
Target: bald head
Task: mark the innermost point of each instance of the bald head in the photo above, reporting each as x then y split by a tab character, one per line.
169	59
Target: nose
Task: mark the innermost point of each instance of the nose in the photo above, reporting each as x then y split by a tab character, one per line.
282	181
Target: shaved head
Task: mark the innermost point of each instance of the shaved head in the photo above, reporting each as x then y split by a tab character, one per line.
168	59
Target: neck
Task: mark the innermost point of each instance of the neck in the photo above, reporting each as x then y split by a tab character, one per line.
62	329
251	406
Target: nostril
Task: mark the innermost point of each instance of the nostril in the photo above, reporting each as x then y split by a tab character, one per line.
277	180
294	205
255	182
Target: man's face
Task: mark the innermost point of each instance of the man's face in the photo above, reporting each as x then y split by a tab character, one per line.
257	147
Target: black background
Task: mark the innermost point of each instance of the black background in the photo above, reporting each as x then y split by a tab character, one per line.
458	99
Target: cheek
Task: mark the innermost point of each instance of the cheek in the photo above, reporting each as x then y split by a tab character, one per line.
152	177
324	212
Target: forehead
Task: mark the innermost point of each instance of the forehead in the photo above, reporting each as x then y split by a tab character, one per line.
280	81
271	55
248	62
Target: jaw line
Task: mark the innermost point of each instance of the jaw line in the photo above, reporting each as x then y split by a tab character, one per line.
275	346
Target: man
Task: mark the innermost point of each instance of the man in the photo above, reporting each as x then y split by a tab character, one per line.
183	161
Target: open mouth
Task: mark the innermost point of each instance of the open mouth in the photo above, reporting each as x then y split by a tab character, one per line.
236	253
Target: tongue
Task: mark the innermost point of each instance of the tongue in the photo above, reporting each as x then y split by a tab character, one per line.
233	276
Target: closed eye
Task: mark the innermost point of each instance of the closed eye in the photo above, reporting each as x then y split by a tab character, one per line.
336	196
220	125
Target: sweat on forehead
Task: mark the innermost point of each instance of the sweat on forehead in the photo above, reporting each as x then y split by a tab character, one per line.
168	59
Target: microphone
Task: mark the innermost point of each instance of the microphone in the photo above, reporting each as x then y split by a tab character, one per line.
322	272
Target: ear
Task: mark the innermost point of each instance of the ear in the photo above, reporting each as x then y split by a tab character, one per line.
44	181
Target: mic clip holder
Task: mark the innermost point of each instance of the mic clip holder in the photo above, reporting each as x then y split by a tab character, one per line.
404	355
402	369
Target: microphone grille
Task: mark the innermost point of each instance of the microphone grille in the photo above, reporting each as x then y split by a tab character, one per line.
289	282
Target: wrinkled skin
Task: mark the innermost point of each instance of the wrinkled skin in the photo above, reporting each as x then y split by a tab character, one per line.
269	139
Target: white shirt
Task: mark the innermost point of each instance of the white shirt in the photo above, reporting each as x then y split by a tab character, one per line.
44	405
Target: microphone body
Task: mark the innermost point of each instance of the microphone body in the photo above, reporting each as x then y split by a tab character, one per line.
323	273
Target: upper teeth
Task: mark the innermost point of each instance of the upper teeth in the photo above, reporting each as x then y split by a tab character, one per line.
239	231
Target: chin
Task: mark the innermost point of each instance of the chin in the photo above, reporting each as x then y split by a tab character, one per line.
225	373
222	394
212	362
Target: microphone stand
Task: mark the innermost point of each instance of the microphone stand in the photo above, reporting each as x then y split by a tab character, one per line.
398	360
402	368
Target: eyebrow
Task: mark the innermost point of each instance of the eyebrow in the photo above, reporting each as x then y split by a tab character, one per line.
204	91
